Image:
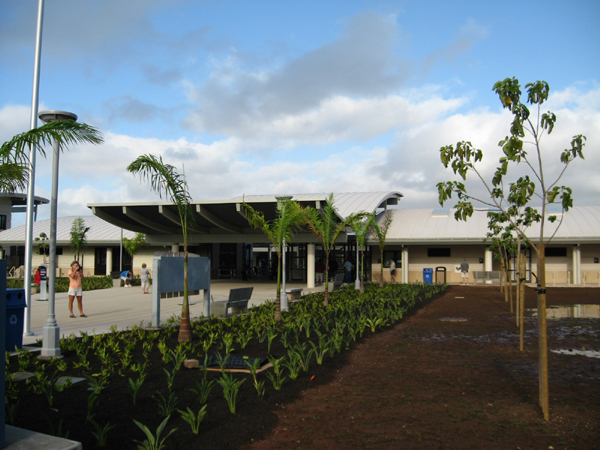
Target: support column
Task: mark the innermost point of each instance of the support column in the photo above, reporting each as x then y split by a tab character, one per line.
109	260
310	266
488	262
576	264
405	264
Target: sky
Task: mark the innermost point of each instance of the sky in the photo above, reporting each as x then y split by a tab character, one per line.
283	97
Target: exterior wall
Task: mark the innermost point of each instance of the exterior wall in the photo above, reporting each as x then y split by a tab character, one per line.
589	267
418	260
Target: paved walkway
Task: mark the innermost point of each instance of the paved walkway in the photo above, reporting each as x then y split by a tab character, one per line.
125	307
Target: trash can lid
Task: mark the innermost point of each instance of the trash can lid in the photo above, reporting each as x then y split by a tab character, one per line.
15	298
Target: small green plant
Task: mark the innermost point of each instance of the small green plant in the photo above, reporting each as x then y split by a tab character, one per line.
276	376
153	442
228	340
166	405
171	377
101	434
92	404
192	419
45	386
203	389
293	364
258	385
134	387
97	384
271	335
24	358
230	389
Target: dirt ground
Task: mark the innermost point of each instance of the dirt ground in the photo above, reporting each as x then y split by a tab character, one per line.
430	383
425	383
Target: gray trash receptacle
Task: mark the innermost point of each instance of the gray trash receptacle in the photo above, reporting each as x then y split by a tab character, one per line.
428	276
15	311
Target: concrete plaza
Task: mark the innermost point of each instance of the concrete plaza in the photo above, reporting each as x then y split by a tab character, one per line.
125	307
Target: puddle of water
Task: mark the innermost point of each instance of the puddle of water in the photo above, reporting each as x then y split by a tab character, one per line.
570	311
588	353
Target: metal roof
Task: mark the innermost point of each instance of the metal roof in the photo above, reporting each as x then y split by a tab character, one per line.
100	232
224	220
581	224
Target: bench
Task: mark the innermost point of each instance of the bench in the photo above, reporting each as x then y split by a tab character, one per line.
238	301
488	275
294	294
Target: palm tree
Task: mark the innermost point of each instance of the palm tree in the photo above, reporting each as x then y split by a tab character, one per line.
164	179
132	246
14	159
326	225
361	224
280	230
78	237
379	232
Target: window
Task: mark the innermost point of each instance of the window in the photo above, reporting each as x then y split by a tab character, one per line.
389	255
438	253
556	251
2	222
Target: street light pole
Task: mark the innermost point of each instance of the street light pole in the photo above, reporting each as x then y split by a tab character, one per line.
51	332
31	182
284	299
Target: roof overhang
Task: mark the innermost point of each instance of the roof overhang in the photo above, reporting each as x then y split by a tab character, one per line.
224	221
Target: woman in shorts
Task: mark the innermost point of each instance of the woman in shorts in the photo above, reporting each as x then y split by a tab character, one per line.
75	289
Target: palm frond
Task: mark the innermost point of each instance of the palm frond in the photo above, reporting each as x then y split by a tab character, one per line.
13	176
65	132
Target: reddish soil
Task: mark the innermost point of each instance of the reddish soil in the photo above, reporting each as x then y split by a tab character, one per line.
424	383
429	384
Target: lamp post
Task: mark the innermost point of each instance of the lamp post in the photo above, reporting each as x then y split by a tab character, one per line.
31	182
51	332
284	299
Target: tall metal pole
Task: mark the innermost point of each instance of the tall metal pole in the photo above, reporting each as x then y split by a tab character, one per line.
357	281
51	332
284	298
31	185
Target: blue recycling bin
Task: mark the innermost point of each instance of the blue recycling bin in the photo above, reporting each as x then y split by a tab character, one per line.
428	276
15	311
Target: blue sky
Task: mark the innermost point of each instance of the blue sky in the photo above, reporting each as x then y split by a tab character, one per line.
260	97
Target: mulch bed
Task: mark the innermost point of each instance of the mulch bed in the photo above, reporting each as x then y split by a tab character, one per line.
425	383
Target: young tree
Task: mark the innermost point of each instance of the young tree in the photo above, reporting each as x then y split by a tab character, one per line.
361	224
379	232
463	159
132	246
165	180
78	238
14	159
326	225
280	230
43	244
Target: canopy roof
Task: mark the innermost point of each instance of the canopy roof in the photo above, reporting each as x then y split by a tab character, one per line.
223	220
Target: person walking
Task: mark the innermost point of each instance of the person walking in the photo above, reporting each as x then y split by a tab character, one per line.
75	288
393	270
145	279
464	271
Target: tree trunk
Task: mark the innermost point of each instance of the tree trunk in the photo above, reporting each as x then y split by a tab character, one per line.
185	328
362	277
521	313
326	294
543	341
278	296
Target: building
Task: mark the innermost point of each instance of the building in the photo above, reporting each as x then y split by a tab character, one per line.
417	239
